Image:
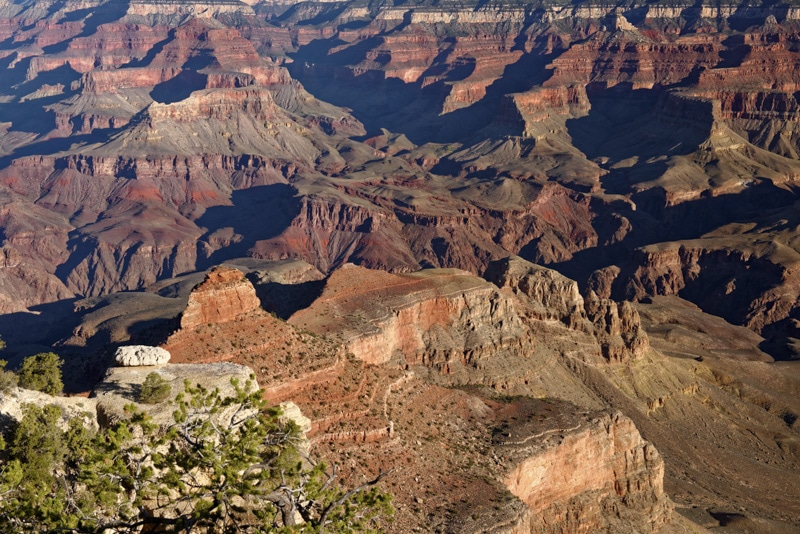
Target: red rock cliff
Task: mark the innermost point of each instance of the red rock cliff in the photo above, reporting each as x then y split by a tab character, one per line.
599	476
224	294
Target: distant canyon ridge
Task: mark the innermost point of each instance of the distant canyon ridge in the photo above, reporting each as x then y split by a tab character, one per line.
642	149
539	260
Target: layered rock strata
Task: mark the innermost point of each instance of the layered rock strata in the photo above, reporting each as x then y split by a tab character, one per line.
599	475
445	319
616	325
221	297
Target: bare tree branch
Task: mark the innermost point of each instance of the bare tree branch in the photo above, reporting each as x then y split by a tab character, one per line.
344	498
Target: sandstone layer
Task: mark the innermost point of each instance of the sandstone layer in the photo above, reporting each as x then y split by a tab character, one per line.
443	319
469	427
224	294
621	492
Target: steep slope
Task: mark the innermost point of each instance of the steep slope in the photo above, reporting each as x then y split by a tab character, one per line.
488	396
559	133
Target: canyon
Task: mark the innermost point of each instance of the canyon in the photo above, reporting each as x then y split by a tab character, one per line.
496	400
486	242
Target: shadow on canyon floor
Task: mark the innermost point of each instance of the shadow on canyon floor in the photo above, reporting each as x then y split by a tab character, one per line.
387	102
285	299
256	214
28	333
101	14
42	326
56	327
715	267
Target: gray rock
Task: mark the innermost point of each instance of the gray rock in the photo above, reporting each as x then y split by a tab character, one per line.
121	386
139	355
12	401
292	412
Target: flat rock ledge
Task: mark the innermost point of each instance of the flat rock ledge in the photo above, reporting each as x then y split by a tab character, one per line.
122	386
141	355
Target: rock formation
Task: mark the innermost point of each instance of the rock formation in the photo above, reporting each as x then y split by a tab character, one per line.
224	294
553	295
141	356
121	385
577	476
616	325
445	319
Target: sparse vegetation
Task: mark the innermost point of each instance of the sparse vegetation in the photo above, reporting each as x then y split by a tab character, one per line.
8	379
155	389
224	465
42	372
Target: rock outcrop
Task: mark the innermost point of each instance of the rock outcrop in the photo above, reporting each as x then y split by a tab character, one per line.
616	325
141	356
445	319
13	401
553	295
733	281
121	386
598	476
224	294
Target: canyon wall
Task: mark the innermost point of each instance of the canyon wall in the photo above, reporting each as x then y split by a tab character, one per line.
599	476
616	325
224	294
172	113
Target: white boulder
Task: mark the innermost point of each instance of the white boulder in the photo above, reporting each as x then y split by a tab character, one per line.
140	355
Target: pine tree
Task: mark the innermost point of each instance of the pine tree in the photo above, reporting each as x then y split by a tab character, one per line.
155	389
224	465
42	372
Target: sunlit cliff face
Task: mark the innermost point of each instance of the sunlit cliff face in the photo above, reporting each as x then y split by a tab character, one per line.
483	231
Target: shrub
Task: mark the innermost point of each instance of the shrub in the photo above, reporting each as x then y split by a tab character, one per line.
8	379
154	389
42	372
224	465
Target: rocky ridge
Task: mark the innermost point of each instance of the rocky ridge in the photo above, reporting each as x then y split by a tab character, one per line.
384	406
451	320
224	294
703	125
616	325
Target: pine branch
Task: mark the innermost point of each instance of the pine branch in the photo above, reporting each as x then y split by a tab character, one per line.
344	498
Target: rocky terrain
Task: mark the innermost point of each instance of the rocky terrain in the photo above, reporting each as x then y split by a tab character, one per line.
485	241
630	147
498	401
